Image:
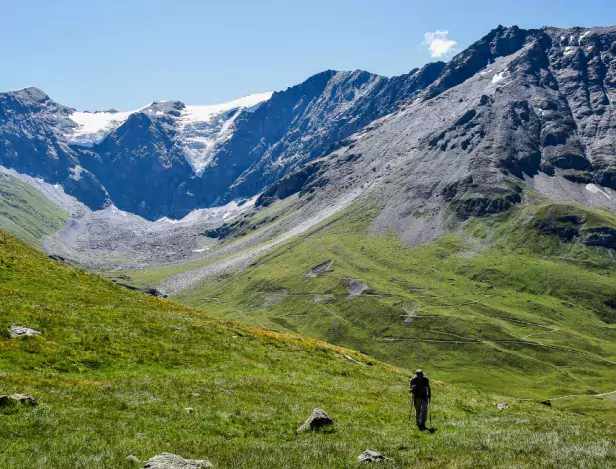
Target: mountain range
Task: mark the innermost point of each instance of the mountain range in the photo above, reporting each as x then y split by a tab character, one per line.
168	159
514	104
356	209
460	219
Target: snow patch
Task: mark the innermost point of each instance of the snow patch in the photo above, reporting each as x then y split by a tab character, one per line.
93	127
206	113
569	50
203	128
585	34
597	190
213	214
498	77
76	172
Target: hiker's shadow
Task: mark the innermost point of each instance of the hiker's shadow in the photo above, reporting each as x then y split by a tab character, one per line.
430	430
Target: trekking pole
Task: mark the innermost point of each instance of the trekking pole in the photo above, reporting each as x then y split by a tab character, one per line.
430	410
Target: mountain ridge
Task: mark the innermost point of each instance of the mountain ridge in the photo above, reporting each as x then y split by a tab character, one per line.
250	154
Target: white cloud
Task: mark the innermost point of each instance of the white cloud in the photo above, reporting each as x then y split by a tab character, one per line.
438	44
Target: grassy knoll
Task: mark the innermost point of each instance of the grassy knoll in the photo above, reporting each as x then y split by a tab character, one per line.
26	212
505	305
114	371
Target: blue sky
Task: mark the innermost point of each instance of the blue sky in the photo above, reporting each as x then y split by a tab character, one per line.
126	53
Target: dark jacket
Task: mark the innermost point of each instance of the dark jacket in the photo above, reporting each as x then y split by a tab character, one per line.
420	386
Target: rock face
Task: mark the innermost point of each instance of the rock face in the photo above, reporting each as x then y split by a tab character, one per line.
519	108
172	461
317	420
20	331
168	158
370	456
467	135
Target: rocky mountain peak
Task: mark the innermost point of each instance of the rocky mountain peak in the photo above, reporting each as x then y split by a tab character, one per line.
514	104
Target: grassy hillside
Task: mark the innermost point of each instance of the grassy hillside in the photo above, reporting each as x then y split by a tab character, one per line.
505	305
26	212
114	371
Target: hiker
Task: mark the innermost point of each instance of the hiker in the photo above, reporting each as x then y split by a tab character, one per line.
420	389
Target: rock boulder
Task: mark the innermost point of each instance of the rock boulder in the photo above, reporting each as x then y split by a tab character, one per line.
173	461
316	421
20	331
371	456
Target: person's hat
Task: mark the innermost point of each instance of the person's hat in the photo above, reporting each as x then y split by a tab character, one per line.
419	372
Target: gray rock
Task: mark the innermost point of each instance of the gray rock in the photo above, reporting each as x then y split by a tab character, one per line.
20	331
319	269
317	420
173	461
24	399
357	287
14	399
371	456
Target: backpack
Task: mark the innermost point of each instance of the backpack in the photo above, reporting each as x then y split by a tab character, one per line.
420	386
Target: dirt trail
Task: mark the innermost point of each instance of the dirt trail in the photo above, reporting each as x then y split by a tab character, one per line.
582	395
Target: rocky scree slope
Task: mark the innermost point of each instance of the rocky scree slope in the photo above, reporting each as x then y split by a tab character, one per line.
517	109
168	159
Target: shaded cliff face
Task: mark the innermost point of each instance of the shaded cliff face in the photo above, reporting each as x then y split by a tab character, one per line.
303	122
168	159
31	142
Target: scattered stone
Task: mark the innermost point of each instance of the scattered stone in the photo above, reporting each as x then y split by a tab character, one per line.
356	287
371	456
133	458
24	399
546	402
20	331
189	410
316	421
173	461
194	394
319	269
227	391
501	406
323	299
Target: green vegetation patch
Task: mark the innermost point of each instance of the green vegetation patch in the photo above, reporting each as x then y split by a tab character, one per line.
118	373
26	212
501	306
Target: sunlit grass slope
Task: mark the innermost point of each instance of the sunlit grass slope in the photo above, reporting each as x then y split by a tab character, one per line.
503	305
26	212
115	370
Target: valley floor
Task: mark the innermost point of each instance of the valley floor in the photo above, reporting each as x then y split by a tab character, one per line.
500	306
